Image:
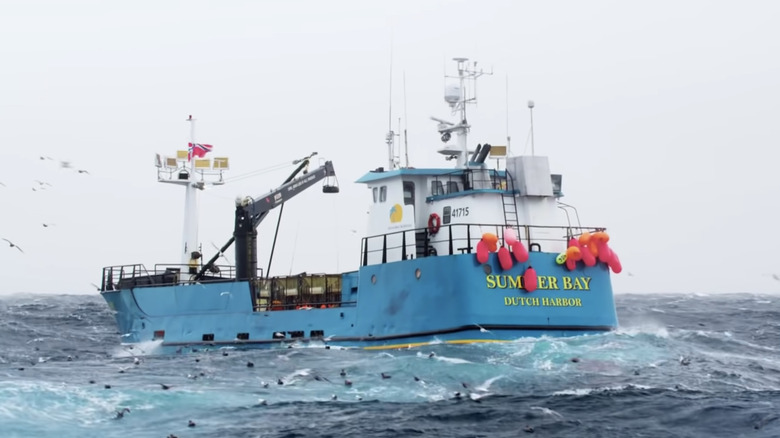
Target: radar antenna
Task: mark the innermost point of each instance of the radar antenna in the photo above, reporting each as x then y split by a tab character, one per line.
458	96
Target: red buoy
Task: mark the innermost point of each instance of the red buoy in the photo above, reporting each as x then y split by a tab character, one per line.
504	258
521	254
530	279
482	252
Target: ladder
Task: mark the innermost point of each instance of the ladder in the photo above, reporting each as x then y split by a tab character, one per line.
509	204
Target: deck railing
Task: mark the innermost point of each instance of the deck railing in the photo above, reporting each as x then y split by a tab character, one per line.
458	239
137	275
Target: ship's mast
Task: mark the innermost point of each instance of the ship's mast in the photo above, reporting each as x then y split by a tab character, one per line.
192	174
190	238
457	96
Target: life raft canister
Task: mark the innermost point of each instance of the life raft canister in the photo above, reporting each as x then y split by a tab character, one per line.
434	223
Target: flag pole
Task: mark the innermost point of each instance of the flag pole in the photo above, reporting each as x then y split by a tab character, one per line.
190	239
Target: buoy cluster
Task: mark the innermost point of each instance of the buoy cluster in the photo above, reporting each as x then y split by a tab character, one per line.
489	243
590	249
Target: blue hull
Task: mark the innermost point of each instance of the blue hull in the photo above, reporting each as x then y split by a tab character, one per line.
447	299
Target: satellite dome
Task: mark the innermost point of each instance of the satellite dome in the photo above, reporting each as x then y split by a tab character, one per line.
452	94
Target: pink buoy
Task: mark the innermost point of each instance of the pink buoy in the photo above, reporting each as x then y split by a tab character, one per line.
571	264
521	254
530	280
614	263
604	252
509	236
504	258
587	257
482	252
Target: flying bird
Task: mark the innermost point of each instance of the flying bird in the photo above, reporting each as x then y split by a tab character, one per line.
83	171
121	414
13	245
482	329
221	253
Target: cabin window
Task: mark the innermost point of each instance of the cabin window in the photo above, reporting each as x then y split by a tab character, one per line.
452	187
376	194
383	194
408	193
447	215
437	188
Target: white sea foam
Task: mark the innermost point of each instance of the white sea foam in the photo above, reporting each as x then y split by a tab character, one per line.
587	391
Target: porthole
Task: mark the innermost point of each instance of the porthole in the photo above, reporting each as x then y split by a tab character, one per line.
373	279
417	273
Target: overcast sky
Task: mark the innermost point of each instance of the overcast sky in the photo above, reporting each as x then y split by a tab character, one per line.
663	117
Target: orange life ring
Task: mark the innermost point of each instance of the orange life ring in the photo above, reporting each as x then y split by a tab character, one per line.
434	223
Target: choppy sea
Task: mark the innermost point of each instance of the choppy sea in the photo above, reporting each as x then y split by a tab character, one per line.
679	366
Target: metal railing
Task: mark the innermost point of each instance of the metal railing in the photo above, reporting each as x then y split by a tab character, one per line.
137	275
458	239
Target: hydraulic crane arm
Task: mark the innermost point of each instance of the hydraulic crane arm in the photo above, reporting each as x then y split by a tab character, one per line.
259	207
250	212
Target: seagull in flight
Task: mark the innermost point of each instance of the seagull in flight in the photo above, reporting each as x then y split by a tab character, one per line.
482	329
13	245
82	171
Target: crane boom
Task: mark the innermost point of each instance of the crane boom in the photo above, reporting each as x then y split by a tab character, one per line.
250	212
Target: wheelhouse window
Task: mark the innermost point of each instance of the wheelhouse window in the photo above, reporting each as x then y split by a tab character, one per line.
408	193
383	194
452	187
375	191
437	188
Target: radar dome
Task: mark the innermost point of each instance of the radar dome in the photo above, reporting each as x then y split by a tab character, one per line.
452	94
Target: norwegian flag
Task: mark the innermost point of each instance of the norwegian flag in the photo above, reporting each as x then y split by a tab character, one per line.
198	149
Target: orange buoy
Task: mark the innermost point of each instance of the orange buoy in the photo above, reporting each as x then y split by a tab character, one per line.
504	258
530	279
585	238
587	257
521	254
491	240
593	247
482	252
573	253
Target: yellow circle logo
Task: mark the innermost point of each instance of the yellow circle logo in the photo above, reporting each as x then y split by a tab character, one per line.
396	213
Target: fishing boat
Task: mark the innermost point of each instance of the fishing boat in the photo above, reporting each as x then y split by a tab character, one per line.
466	253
